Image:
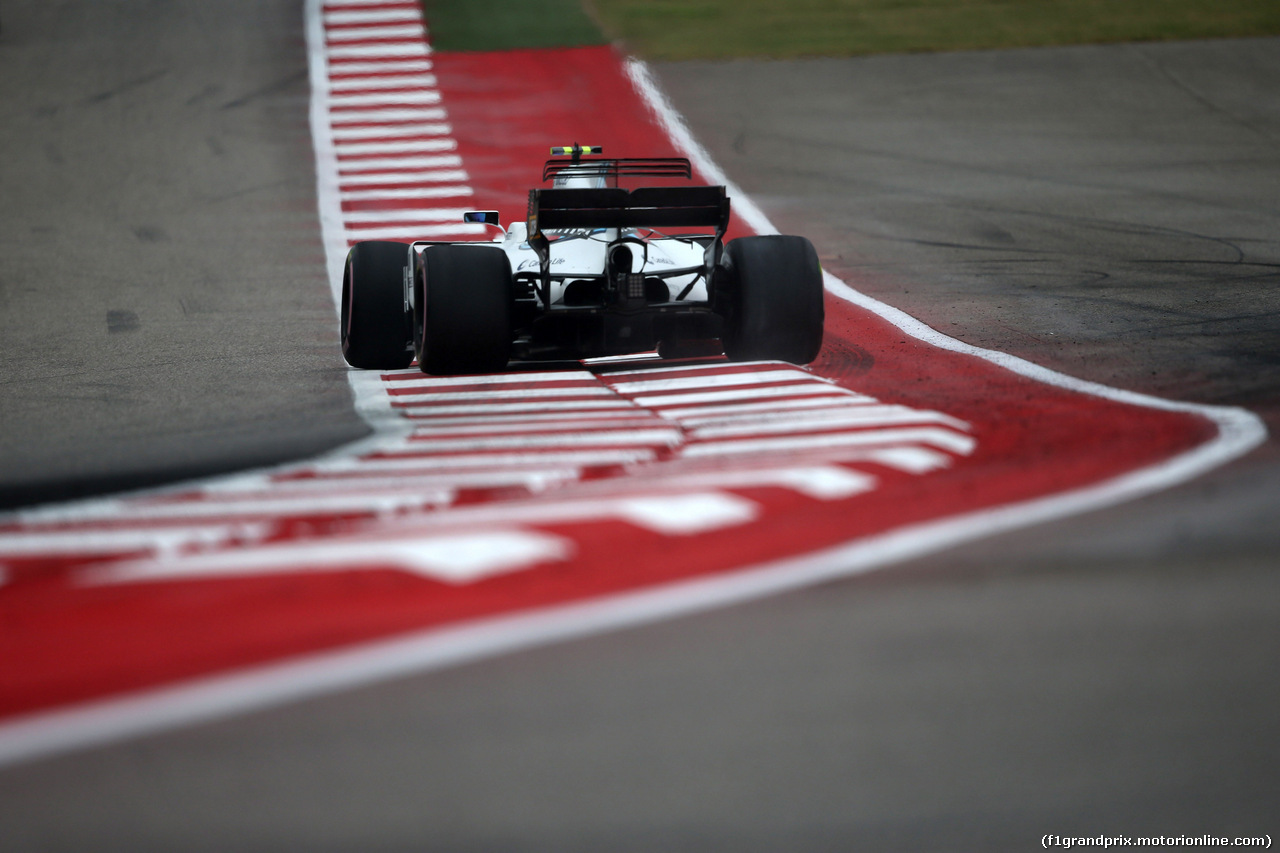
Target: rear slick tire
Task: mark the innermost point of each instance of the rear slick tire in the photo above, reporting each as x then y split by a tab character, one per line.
462	309
775	305
376	330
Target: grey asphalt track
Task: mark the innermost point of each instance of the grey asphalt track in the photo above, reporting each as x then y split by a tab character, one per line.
163	306
1108	211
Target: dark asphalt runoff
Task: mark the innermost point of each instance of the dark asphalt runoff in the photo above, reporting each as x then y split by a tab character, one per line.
1111	212
164	312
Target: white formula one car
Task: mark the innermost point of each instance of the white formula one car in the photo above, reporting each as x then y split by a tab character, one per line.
587	275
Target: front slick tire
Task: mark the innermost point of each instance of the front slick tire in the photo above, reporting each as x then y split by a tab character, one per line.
776	300
462	310
375	326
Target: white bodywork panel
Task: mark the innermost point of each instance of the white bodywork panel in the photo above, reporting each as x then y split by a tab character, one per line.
582	253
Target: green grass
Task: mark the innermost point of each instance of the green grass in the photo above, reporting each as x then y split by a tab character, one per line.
714	29
509	24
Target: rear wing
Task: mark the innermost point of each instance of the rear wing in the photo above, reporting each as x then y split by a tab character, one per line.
611	206
643	207
627	167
